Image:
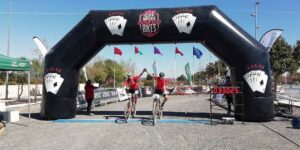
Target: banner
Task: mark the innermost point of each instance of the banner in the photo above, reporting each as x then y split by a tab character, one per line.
42	48
188	73
154	68
269	38
101	96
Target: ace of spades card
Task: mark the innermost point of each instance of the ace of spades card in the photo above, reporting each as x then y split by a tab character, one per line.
262	82
53	82
116	24
257	80
184	22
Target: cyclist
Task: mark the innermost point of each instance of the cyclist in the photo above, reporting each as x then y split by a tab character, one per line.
160	87
132	83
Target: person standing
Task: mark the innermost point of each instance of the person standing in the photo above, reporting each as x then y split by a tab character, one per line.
89	95
229	97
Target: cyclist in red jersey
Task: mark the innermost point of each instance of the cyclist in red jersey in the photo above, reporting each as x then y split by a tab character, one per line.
160	87
132	83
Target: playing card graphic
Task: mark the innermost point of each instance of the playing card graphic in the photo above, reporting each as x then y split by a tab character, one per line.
116	24
257	80
184	22
53	82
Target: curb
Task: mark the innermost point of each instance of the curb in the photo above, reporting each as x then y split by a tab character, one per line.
21	105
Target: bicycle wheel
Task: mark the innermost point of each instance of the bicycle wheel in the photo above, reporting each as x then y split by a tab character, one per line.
154	111
127	111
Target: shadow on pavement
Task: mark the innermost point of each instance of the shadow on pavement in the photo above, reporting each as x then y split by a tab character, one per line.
119	114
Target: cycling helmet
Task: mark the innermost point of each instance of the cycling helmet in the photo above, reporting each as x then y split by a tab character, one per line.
161	74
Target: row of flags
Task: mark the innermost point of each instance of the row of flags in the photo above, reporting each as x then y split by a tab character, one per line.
197	52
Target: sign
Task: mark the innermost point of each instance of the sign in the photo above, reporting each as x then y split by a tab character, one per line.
100	96
184	22
257	80
149	23
116	24
226	90
53	82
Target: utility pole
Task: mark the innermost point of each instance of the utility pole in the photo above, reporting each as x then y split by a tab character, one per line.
8	48
255	18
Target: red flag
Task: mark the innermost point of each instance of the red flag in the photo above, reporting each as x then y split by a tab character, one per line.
177	51
118	51
136	50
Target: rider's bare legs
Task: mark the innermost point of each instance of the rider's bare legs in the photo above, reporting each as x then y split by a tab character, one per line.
165	100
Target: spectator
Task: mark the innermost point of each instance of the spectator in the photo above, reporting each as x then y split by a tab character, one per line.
229	97
89	95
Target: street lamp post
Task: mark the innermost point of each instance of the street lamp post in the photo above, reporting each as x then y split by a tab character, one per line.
255	18
8	47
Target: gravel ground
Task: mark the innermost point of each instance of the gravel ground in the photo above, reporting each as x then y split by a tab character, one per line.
41	134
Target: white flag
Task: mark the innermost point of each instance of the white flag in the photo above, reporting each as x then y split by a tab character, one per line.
154	68
269	38
42	48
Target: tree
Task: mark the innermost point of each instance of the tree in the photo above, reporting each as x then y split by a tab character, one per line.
200	77
37	70
182	79
220	67
96	72
281	59
21	79
109	67
148	81
210	69
296	52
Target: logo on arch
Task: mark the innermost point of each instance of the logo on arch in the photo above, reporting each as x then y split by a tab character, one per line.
116	24
257	80
184	22
149	23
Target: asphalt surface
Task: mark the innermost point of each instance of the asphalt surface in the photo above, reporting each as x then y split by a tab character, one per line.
185	125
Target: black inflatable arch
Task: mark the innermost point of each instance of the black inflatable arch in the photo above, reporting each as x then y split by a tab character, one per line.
247	58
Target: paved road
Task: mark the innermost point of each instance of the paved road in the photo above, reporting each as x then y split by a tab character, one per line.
184	128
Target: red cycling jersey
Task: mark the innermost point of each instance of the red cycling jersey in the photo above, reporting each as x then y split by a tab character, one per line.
133	82
160	83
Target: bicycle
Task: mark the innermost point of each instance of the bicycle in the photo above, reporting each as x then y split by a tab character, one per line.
156	109
130	109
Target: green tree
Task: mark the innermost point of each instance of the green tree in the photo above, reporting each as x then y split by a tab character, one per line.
96	72
182	79
109	67
281	59
210	69
220	67
148	81
296	52
200	77
37	70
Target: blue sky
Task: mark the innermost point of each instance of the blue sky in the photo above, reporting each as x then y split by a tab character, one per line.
52	19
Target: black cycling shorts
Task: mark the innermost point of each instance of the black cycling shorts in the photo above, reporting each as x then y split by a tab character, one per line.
133	91
160	92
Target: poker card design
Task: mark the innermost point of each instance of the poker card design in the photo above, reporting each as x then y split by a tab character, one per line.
257	80
116	24
53	82
184	22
